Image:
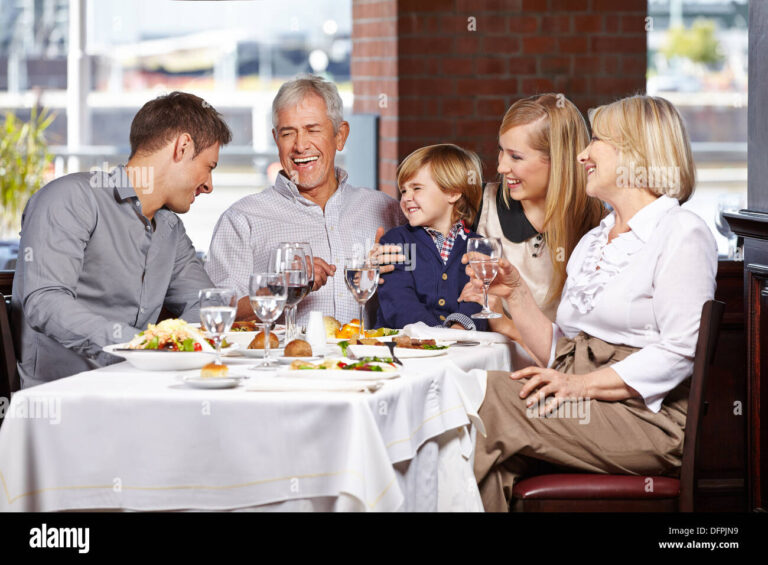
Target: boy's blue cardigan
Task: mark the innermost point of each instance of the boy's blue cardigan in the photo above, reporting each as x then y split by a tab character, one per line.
413	291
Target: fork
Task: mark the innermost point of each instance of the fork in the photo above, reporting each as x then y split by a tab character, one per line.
391	346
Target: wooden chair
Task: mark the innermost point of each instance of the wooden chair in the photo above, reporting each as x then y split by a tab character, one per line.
583	492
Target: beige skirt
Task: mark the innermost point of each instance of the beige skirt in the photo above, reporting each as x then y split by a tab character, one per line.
599	437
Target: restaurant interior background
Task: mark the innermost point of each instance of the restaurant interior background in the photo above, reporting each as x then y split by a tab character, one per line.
410	74
236	54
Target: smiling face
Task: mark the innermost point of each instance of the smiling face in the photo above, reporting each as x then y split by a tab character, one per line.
193	177
307	144
525	170
425	204
601	161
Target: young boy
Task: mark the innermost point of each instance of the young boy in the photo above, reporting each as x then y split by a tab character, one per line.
440	192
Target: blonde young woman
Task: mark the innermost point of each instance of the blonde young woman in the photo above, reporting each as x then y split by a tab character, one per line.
625	333
539	210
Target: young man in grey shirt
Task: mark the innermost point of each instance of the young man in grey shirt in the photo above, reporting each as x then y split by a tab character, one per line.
101	253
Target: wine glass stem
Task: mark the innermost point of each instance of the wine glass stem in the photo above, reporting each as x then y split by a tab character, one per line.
266	343
485	297
217	341
362	320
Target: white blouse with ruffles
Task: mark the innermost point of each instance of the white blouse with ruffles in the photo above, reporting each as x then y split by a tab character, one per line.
644	289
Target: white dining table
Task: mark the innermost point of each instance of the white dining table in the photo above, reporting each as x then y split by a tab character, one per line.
117	438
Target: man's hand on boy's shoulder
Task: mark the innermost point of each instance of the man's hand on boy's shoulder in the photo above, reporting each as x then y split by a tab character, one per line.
387	255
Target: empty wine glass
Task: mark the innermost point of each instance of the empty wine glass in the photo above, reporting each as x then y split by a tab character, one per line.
362	277
290	259
217	313
267	293
484	254
728	203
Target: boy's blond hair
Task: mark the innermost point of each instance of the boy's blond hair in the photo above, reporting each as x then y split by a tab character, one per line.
454	170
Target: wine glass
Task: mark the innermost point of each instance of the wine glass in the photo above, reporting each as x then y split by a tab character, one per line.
217	313
289	259
362	277
728	203
307	248
267	293
484	254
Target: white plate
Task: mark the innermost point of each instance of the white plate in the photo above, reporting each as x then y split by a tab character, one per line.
148	360
339	375
289	360
401	352
382	339
212	382
259	353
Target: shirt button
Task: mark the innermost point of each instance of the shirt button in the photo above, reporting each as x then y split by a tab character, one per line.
441	302
148	228
141	310
445	276
442	318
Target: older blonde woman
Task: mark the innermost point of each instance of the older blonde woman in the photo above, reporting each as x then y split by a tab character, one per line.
623	340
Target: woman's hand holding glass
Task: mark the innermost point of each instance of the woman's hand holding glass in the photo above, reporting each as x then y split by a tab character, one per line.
506	282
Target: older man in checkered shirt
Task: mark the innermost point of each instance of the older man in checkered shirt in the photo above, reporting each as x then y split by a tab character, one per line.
310	201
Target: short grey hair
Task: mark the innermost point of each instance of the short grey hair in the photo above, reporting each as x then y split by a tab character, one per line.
295	90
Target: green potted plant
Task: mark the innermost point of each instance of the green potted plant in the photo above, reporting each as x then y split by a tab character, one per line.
24	162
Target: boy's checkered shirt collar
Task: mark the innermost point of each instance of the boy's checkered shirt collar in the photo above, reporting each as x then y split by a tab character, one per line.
444	243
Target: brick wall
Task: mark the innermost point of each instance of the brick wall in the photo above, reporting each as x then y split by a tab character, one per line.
446	70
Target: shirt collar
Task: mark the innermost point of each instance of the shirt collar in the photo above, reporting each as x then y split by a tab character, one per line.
514	223
286	187
645	220
119	180
457	229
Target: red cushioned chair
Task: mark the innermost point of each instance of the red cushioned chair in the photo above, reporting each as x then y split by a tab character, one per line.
581	492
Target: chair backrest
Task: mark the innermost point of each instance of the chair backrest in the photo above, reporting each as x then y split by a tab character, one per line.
9	376
6	282
709	329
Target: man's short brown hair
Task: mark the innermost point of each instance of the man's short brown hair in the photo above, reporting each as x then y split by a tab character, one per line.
165	117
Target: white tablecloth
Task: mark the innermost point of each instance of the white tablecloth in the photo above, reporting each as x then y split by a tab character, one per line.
119	438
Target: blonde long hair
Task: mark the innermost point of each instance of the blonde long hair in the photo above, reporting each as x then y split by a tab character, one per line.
560	134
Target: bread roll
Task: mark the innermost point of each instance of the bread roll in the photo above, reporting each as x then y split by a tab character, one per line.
214	371
258	341
332	325
298	348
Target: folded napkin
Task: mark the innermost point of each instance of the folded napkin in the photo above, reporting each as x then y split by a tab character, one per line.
273	384
420	330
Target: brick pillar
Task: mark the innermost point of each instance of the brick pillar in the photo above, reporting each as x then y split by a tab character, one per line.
446	70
